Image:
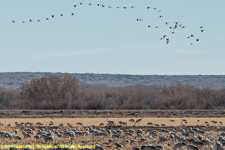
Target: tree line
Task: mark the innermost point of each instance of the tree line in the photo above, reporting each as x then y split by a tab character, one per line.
64	92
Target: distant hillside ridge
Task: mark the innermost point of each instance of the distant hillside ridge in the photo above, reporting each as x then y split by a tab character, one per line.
12	80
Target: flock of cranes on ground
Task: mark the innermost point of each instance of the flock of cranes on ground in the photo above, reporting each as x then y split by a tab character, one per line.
173	27
117	135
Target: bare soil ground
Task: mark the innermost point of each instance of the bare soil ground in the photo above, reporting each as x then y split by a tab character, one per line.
112	113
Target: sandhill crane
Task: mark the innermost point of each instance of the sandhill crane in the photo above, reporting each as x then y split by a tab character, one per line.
51	123
110	121
138	121
149	123
167	40
138	19
118	145
132	121
148	147
179	146
47	139
101	124
16	137
79	124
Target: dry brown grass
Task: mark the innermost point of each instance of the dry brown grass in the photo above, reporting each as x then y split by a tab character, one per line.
97	121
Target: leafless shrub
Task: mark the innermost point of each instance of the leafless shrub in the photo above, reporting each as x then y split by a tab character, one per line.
55	92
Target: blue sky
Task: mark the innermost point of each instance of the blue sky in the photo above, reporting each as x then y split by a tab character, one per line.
110	40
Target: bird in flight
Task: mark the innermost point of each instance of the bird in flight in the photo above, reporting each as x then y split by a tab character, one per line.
167	40
173	27
139	19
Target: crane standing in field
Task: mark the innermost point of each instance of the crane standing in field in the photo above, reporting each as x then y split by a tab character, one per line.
138	121
132	121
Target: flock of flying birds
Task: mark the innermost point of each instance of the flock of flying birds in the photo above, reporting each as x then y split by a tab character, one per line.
173	27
